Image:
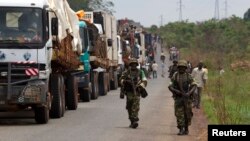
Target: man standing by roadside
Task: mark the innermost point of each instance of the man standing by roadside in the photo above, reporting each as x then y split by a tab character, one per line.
200	77
182	86
172	69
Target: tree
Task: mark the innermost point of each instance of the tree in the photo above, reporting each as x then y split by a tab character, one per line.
247	15
79	5
92	5
153	29
102	5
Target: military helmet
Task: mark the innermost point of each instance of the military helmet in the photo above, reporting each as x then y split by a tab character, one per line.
182	63
133	61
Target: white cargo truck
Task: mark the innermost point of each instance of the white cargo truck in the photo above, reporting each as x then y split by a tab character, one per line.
104	52
40	49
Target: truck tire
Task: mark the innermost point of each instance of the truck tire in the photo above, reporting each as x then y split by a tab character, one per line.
41	114
63	95
94	82
108	81
102	83
57	98
118	78
72	93
85	93
114	82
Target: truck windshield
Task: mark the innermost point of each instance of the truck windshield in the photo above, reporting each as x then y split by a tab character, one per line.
20	25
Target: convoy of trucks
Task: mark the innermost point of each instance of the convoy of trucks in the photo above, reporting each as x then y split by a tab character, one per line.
51	56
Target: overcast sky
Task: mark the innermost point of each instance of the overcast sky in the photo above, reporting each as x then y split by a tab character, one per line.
160	12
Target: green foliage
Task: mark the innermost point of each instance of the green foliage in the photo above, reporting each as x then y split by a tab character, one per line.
224	36
247	15
102	5
79	5
229	95
179	34
90	5
153	29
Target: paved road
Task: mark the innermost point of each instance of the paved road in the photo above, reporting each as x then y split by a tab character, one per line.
105	119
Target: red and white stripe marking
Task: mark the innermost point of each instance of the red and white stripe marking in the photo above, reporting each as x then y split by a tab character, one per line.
26	62
31	71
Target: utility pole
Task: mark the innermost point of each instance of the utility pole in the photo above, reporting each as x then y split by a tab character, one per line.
161	22
226	8
180	12
217	10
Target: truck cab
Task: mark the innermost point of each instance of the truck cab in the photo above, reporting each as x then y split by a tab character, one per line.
39	50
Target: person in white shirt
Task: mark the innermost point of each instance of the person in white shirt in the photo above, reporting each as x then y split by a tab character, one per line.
163	69
200	77
154	68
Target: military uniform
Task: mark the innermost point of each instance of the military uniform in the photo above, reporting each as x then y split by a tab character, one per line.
182	86
133	83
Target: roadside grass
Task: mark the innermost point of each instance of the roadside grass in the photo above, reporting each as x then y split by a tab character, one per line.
229	96
225	99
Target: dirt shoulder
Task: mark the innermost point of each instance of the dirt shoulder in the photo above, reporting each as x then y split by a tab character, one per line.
199	124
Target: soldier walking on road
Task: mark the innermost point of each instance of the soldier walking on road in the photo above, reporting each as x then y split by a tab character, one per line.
133	83
182	86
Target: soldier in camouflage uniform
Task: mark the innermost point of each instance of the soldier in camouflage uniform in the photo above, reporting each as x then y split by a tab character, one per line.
133	83
182	86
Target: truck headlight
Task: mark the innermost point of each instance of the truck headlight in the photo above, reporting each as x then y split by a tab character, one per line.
31	91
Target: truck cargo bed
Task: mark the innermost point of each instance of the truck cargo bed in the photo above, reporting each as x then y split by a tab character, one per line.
64	56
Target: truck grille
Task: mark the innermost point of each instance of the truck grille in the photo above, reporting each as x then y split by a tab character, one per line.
17	72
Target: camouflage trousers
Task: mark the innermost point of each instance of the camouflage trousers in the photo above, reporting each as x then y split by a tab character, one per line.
183	111
133	106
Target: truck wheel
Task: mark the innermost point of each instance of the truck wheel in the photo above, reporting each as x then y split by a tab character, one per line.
56	91
118	78
102	84
72	93
62	94
108	81
94	81
85	93
41	114
114	83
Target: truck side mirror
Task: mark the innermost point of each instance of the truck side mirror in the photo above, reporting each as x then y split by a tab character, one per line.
54	26
110	42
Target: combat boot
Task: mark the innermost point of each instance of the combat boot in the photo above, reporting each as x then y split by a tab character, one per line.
131	124
182	131
186	130
135	124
